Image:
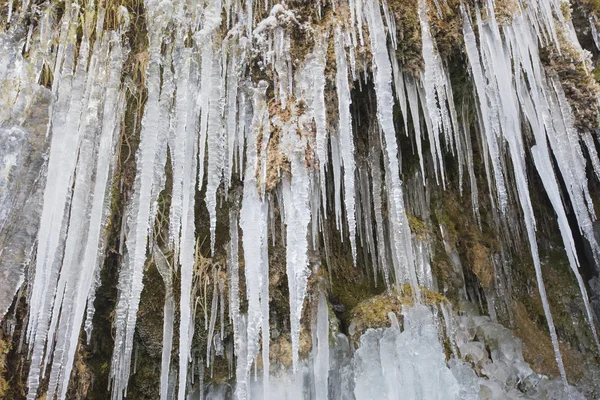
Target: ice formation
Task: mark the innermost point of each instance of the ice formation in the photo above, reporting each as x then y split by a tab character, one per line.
249	124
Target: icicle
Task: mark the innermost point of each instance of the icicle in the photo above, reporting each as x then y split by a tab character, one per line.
490	129
213	320
150	161
366	211
544	167
567	150
470	166
88	253
182	104
60	169
337	186
297	216
253	221
400	233
264	305
498	67
209	102
376	179
203	99
413	102
296	191
321	364
283	64
588	140
346	140
536	104
216	145
221	307
436	86
233	76
399	89
187	255
50	286
239	325
320	114
593	23
168	319
390	23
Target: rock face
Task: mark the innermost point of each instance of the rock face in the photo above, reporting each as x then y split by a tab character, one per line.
345	199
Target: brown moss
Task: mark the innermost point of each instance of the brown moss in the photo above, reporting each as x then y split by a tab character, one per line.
589	6
447	27
474	245
373	312
4	349
538	350
281	349
408	31
83	376
277	162
479	256
505	10
302	38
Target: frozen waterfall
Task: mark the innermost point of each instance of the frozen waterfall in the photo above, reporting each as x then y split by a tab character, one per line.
323	199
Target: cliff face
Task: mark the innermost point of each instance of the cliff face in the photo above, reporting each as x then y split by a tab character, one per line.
345	197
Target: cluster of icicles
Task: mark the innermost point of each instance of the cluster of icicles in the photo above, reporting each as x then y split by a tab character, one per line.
204	110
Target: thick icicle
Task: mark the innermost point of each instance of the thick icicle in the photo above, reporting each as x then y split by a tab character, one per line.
320	114
176	145
239	328
168	319
403	258
435	89
253	221
497	65
346	140
297	218
151	158
321	368
297	215
74	130
91	257
61	166
588	140
544	166
187	255
488	117
216	143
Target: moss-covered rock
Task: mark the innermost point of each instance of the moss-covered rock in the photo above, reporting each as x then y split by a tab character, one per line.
5	346
573	69
373	312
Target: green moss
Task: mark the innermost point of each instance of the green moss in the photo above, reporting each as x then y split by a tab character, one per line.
455	232
144	383
350	286
418	227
